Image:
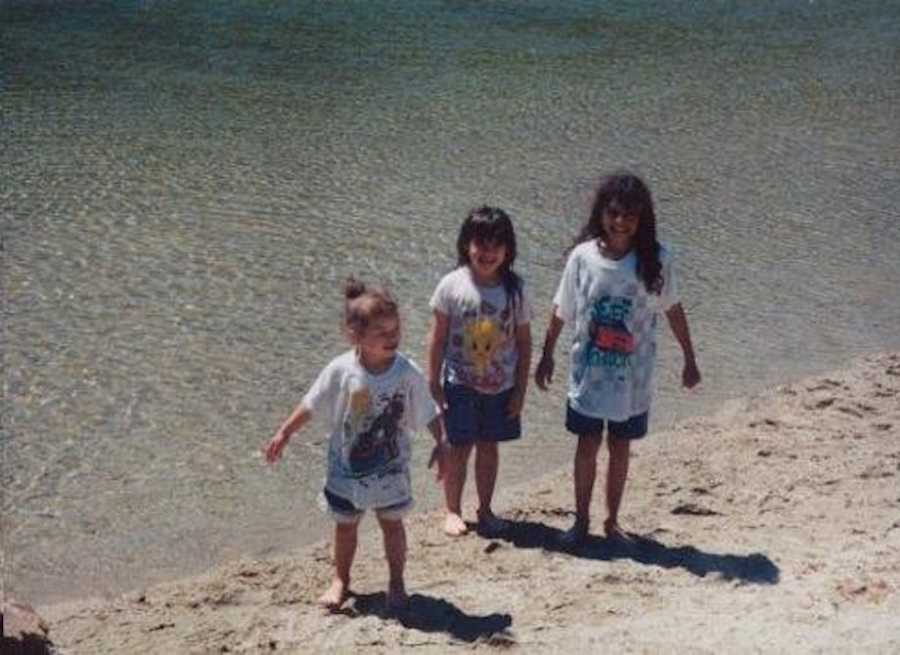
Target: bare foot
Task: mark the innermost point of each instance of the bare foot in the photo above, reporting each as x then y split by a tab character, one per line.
337	595
454	525
396	596
614	532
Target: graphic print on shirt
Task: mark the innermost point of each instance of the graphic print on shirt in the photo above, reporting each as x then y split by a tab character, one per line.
610	343
482	341
373	433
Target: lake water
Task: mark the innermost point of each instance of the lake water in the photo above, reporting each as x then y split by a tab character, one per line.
186	184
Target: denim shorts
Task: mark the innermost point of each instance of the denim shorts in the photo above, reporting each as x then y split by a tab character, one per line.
473	416
343	511
633	428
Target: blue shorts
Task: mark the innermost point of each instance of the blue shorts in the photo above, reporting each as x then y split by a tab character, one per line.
473	416
343	511
633	428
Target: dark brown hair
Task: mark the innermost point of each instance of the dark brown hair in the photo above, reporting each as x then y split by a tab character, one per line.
626	192
491	225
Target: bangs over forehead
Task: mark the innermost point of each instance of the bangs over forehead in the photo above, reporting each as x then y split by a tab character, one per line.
626	197
490	231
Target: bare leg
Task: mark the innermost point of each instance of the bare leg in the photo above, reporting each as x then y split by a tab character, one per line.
585	474
487	461
345	540
454	481
395	551
616	476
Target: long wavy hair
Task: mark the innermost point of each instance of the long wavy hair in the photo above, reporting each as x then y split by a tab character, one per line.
626	192
491	225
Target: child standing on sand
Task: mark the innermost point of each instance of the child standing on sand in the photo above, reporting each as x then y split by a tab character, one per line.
479	352
373	399
616	280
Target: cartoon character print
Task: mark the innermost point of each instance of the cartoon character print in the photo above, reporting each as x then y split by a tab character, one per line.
360	407
610	344
483	340
377	445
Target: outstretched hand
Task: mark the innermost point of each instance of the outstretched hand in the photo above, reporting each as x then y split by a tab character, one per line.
275	447
516	402
543	374
690	375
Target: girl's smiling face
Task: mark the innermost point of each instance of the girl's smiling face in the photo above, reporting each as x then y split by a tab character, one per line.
485	260
379	342
620	228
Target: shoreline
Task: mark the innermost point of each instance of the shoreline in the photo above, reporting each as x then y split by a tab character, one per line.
768	525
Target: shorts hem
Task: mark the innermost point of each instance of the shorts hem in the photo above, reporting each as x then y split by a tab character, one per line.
631	429
342	511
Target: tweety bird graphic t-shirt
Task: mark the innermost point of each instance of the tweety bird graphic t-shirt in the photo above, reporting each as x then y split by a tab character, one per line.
481	346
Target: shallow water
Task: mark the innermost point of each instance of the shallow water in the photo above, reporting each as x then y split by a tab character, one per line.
186	186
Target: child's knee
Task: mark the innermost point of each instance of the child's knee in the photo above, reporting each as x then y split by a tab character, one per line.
391	527
486	448
459	455
346	530
618	446
589	444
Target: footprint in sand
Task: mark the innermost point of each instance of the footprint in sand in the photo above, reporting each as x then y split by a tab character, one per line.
693	509
870	591
821	404
824	385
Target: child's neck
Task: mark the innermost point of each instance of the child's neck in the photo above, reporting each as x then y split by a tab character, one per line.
482	281
613	253
373	365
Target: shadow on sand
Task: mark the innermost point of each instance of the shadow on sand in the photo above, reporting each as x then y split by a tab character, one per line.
29	644
754	568
429	614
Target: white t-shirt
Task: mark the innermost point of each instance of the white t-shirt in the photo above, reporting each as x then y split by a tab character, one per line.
481	345
370	420
614	337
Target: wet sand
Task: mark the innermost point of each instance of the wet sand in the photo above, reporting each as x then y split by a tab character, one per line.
772	526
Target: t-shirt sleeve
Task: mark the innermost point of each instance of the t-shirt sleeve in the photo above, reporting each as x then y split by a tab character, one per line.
423	408
564	298
668	296
440	299
524	311
324	390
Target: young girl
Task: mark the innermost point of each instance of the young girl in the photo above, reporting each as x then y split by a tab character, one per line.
479	350
373	399
616	279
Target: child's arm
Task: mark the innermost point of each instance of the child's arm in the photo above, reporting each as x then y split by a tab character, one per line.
543	375
437	341
436	427
690	374
298	418
523	369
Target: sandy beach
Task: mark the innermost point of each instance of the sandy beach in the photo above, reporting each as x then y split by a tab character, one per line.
773	526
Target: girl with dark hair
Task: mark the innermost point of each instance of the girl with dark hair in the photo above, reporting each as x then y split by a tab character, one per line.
617	279
479	353
373	400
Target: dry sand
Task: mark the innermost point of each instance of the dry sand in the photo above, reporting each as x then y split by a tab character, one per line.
771	527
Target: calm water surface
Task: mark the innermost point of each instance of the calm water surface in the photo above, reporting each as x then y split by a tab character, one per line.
186	185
